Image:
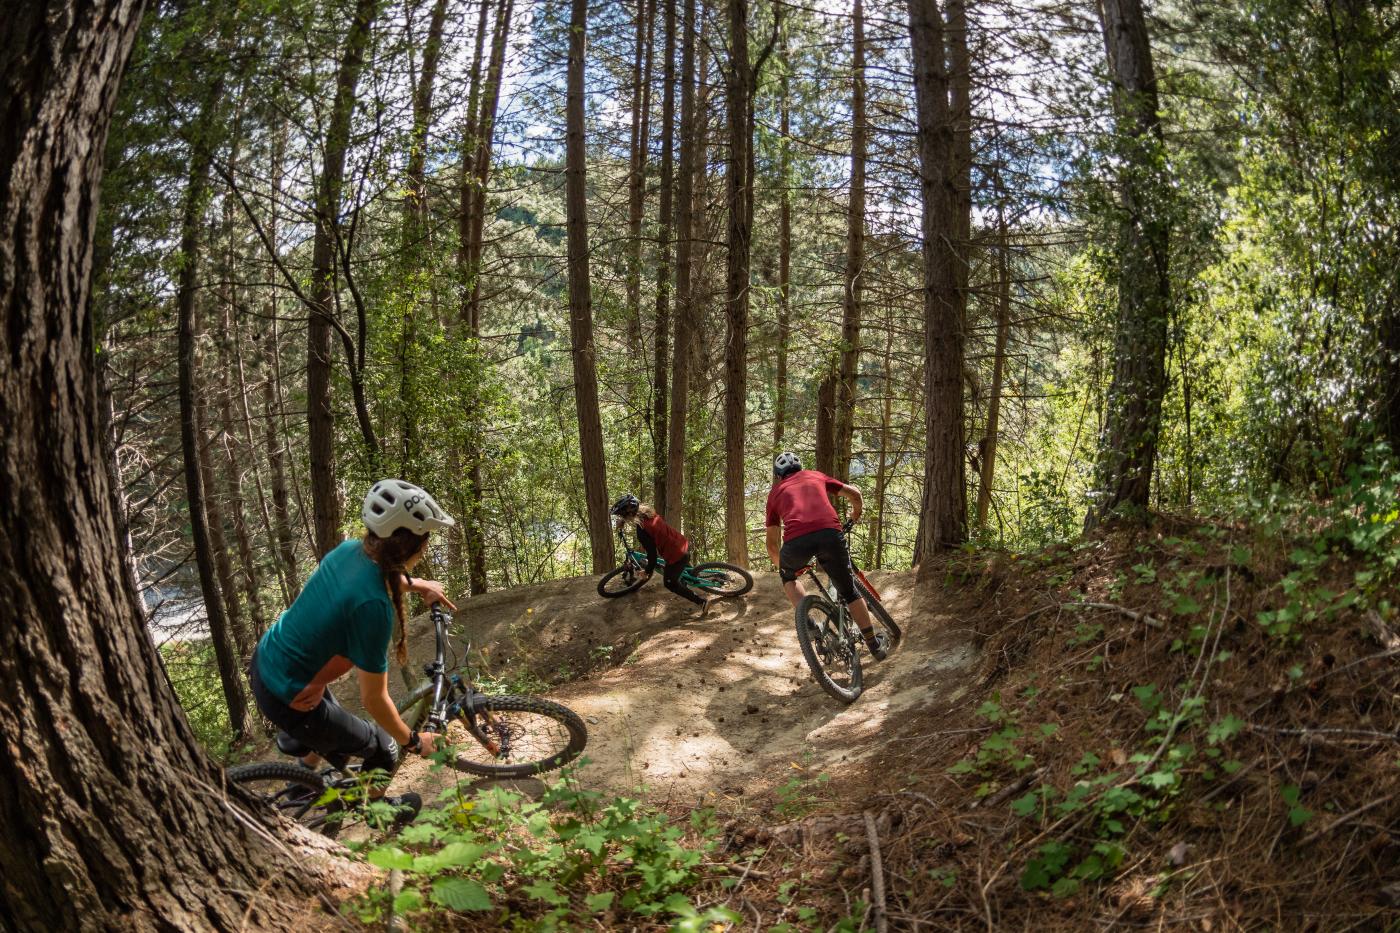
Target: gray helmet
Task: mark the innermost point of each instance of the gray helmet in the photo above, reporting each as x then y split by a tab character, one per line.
392	504
786	464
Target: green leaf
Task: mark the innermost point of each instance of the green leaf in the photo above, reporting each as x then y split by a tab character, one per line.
390	857
408	901
1225	729
599	902
545	891
1186	605
1026	805
460	894
680	905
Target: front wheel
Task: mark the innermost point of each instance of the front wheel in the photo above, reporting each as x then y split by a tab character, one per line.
829	648
286	788
621	581
518	736
720	579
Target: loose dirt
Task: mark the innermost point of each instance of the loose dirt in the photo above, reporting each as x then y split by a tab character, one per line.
681	708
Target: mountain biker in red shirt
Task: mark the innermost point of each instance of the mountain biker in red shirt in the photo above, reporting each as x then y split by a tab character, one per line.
799	509
656	536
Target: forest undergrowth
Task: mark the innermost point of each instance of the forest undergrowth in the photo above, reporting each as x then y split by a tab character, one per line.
1188	725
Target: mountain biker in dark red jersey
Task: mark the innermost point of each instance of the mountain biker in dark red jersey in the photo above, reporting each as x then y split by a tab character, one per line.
799	509
658	538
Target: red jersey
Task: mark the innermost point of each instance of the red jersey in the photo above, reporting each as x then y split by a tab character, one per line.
800	503
670	543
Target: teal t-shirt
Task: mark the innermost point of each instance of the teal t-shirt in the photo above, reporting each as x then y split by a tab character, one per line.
342	618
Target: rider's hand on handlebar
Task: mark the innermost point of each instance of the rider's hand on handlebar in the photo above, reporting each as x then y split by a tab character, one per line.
431	592
848	525
428	743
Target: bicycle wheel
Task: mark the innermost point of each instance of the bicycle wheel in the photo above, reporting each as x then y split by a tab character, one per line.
621	581
720	579
830	651
287	788
517	736
880	616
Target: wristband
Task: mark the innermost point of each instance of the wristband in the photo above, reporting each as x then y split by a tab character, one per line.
415	741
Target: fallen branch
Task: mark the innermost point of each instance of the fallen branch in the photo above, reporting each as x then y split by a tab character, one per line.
1345	818
877	874
394	921
1133	614
1010	790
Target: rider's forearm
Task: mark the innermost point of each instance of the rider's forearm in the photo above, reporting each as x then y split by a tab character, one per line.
381	710
852	495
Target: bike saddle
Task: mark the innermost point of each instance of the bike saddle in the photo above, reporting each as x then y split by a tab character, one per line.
290	746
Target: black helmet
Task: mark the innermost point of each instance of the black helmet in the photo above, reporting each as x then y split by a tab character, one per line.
626	505
786	464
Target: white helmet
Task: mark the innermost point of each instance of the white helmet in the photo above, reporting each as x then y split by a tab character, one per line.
392	504
785	464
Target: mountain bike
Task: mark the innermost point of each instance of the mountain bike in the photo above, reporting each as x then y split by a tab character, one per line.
830	639
507	737
715	578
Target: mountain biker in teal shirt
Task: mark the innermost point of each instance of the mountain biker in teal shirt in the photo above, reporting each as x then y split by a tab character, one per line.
345	618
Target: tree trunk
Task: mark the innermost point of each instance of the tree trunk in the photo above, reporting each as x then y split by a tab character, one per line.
415	235
281	509
481	159
111	813
784	249
943	513
590	425
636	173
320	417
661	360
824	452
989	446
739	195
876	552
960	112
1128	444
676	451
206	526
855	258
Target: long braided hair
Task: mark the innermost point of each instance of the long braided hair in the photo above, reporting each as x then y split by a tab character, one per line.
391	554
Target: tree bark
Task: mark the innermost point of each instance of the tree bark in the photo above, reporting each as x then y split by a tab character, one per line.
661	360
784	248
845	401
943	513
320	418
989	445
111	813
676	451
1128	444
590	425
739	195
824	447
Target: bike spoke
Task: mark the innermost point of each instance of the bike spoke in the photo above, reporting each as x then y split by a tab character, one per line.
518	738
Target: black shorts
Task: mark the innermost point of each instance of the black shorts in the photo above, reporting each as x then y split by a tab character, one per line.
330	730
828	546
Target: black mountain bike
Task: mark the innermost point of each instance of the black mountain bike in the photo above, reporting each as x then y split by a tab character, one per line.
507	737
830	639
715	578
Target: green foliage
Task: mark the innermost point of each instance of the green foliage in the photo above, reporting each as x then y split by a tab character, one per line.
551	863
194	674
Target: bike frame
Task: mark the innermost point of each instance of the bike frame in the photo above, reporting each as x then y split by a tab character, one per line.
639	559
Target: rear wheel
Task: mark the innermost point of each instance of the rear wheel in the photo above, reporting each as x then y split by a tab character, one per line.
880	616
720	579
517	736
829	648
621	581
289	789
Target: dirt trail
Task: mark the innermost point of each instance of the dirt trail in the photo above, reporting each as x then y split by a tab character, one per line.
688	706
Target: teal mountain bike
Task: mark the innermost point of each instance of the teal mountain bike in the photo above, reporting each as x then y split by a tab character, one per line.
712	579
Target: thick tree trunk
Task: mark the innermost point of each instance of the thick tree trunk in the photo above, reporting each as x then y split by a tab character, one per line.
855	258
824	445
960	112
661	345
1128	444
112	815
676	451
590	425
943	513
739	195
320	417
